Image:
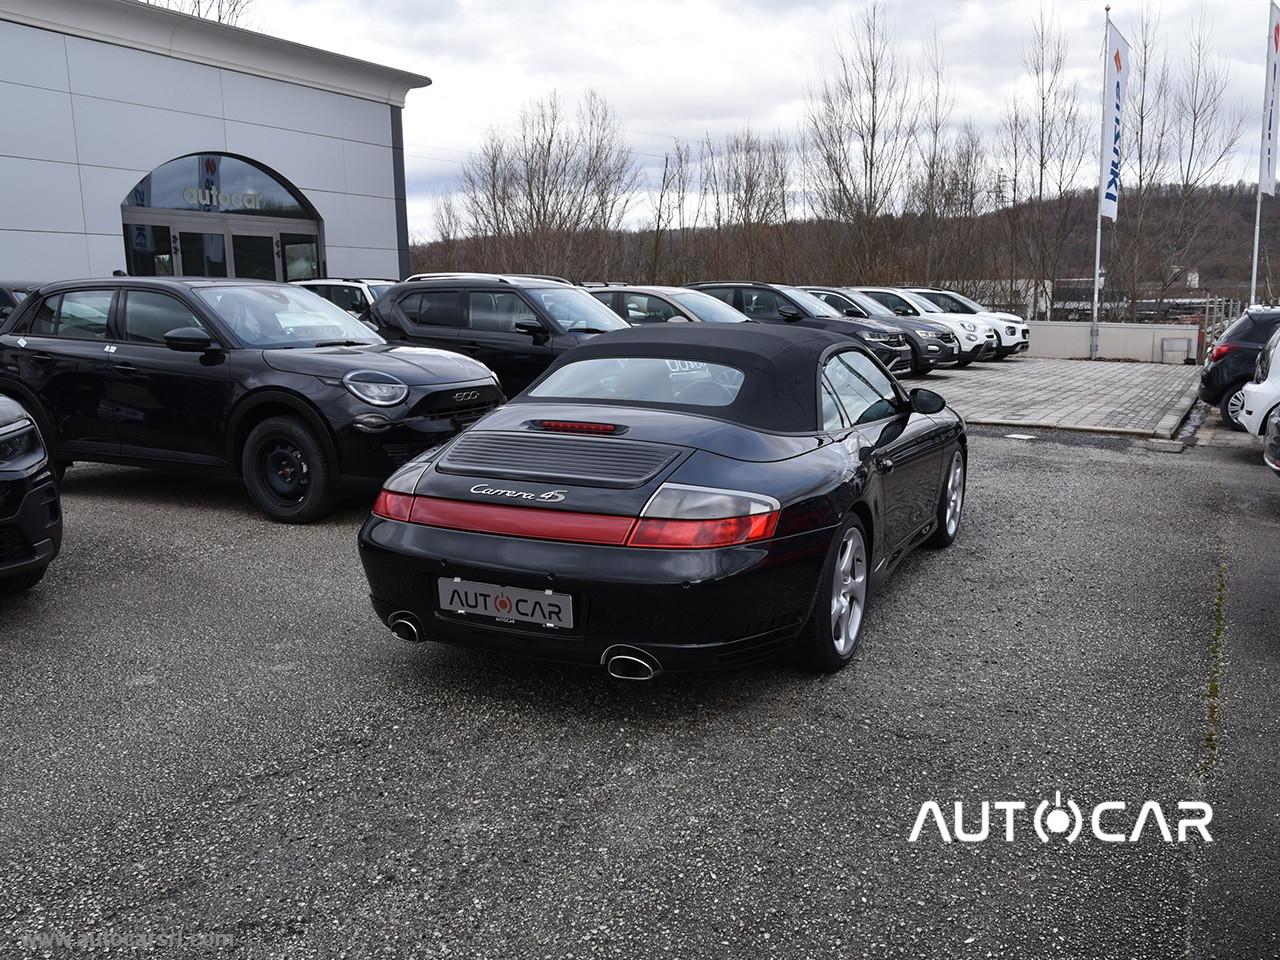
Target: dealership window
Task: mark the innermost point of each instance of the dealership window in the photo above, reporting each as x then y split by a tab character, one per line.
217	215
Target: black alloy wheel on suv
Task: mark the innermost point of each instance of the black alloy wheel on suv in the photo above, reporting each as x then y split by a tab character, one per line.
265	380
514	325
1231	360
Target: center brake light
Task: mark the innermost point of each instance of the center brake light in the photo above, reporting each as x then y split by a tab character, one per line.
577	426
677	517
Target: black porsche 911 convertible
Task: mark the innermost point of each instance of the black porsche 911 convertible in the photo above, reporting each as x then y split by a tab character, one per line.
671	498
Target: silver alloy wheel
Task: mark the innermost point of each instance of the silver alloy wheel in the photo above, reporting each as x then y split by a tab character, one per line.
1235	404
955	493
849	591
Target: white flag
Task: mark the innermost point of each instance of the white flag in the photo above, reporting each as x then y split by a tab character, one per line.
1113	89
1267	167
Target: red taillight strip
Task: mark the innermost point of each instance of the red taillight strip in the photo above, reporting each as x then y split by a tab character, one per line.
568	527
533	522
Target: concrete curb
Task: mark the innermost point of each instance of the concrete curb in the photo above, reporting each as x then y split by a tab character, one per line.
1172	420
1073	427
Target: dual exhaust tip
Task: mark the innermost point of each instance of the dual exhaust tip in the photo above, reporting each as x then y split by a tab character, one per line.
620	661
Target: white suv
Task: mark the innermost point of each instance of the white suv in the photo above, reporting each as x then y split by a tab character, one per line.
353	296
976	335
1261	398
1014	334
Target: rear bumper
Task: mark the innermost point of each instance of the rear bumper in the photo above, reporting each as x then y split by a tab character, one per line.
30	523
688	609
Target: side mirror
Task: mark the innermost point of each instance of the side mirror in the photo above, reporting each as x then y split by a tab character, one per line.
788	312
5	311
533	328
188	340
904	311
926	401
853	312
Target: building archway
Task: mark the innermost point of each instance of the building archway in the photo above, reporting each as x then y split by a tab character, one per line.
220	215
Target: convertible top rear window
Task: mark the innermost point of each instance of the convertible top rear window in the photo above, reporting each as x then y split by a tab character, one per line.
658	380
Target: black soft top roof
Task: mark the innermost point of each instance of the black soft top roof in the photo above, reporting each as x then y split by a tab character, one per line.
779	391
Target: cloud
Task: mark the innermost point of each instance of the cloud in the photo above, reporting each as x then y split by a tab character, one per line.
686	68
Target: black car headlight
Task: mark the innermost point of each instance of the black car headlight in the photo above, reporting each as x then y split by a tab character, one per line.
376	388
20	442
876	337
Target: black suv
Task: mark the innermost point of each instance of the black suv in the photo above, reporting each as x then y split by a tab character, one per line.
265	379
778	303
931	344
1229	365
30	514
514	325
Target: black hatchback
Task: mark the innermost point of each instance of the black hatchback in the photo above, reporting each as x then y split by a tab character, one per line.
514	325
1229	365
262	379
779	303
30	514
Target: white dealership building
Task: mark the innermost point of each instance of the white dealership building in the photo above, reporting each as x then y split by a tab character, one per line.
139	139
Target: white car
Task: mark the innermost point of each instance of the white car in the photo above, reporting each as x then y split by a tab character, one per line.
1261	398
978	338
1014	334
352	295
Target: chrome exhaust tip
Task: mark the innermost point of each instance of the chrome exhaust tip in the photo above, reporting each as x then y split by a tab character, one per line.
630	663
405	626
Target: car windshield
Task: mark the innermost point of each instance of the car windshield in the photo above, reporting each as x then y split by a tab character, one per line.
923	304
575	309
270	316
870	306
810	303
707	308
690	383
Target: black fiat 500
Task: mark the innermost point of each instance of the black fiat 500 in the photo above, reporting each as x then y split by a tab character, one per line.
672	497
264	379
513	325
30	514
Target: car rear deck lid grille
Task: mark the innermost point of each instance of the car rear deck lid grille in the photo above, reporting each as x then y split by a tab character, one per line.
591	461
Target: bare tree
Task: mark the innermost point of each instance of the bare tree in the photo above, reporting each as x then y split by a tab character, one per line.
746	191
230	12
672	218
932	151
858	132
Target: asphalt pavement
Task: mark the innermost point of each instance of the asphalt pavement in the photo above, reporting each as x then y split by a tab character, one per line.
206	736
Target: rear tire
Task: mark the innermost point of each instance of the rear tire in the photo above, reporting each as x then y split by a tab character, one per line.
831	636
22	582
950	503
286	471
1231	404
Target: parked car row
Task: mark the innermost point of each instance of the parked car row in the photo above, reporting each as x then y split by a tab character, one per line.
649	499
1241	377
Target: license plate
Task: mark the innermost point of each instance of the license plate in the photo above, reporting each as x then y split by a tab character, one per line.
511	604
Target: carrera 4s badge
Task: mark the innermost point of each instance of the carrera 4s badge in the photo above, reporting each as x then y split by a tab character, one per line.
547	496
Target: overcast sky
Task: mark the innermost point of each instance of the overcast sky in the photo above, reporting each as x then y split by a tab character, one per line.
685	68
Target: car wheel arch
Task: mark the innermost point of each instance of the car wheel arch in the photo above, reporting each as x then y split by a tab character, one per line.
274	402
20	392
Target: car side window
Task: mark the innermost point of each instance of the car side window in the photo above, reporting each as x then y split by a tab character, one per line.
433	308
497	310
78	315
864	391
605	297
833	417
761	303
894	303
149	316
642	308
348	297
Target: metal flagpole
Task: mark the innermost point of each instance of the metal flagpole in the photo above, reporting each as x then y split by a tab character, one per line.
1102	183
1257	231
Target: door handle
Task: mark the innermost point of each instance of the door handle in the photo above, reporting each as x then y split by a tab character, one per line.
126	368
41	357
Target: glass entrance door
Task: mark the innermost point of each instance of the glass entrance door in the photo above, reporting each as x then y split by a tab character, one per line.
203	254
254	256
301	256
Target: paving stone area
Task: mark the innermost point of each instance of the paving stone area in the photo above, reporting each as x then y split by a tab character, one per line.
1142	399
